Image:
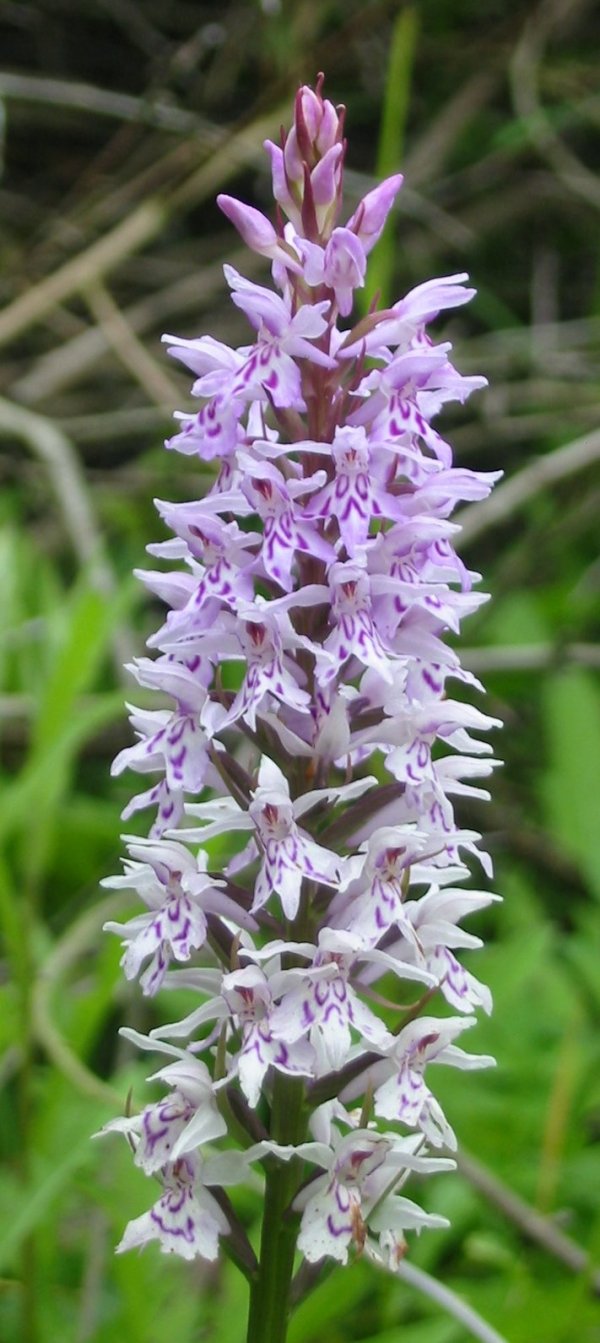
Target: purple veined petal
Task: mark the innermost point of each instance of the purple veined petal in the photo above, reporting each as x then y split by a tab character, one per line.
213	432
327	1224
254	1060
185	1221
169	804
163	1128
270	373
173	931
461	989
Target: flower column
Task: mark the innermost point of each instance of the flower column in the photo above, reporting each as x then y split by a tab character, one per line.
312	721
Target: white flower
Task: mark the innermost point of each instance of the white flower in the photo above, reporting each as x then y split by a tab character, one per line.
357	1192
186	1220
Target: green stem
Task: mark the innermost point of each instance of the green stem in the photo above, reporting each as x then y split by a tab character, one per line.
270	1291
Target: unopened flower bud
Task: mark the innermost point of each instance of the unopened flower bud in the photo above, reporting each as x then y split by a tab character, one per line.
317	124
307	170
257	231
368	220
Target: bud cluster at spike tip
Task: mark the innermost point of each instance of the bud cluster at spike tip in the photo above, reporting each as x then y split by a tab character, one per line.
313	721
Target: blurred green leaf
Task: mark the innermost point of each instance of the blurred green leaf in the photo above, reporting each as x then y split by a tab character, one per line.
31	1202
570	787
391	143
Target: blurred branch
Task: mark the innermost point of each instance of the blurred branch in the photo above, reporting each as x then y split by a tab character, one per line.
82	97
136	231
61	366
524	79
449	1301
532	1223
426	157
82	270
80	936
511	343
129	350
60	459
510	496
530	657
504	430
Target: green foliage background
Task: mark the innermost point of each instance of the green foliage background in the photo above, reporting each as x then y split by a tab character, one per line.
108	235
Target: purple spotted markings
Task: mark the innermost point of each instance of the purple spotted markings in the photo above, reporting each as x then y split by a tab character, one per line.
303	883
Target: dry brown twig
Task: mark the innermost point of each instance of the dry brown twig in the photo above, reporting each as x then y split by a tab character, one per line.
62	366
134	356
135	232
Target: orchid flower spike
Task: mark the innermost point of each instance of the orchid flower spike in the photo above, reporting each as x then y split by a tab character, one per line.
303	875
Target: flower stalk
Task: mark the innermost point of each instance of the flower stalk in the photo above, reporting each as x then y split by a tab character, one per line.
270	1290
313	724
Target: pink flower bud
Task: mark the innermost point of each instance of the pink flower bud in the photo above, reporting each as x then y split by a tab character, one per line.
256	231
254	227
326	177
330	130
293	158
307	170
318	125
281	190
308	114
326	184
369	218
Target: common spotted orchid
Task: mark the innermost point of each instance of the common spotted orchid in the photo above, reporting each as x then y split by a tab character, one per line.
315	735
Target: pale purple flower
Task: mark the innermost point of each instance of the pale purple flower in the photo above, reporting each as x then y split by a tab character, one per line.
288	853
354	633
214	431
341	266
324	1006
270	371
285	531
179	892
